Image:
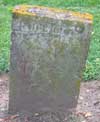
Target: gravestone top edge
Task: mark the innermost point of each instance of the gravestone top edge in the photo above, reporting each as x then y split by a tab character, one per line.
54	13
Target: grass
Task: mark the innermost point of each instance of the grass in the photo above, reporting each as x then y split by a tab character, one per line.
58	3
92	70
5	20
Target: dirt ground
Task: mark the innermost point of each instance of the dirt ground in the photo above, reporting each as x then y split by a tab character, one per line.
88	104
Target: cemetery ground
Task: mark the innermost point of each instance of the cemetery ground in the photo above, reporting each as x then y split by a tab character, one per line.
88	108
89	100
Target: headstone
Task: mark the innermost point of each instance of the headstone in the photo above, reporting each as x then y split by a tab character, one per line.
48	53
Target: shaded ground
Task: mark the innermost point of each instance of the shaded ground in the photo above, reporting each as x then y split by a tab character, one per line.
89	101
88	105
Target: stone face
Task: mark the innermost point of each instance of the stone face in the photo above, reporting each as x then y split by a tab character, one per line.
47	59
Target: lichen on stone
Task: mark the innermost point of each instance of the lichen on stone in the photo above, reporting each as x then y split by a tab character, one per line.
51	12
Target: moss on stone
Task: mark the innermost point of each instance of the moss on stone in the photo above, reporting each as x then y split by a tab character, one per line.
78	83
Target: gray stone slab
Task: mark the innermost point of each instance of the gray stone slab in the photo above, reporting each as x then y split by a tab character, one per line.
48	53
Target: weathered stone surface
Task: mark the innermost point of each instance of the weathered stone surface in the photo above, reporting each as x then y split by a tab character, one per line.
48	55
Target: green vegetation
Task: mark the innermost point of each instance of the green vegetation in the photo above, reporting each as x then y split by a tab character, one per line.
58	3
92	70
5	20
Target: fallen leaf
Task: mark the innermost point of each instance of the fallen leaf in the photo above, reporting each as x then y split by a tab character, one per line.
81	98
88	114
36	114
85	114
